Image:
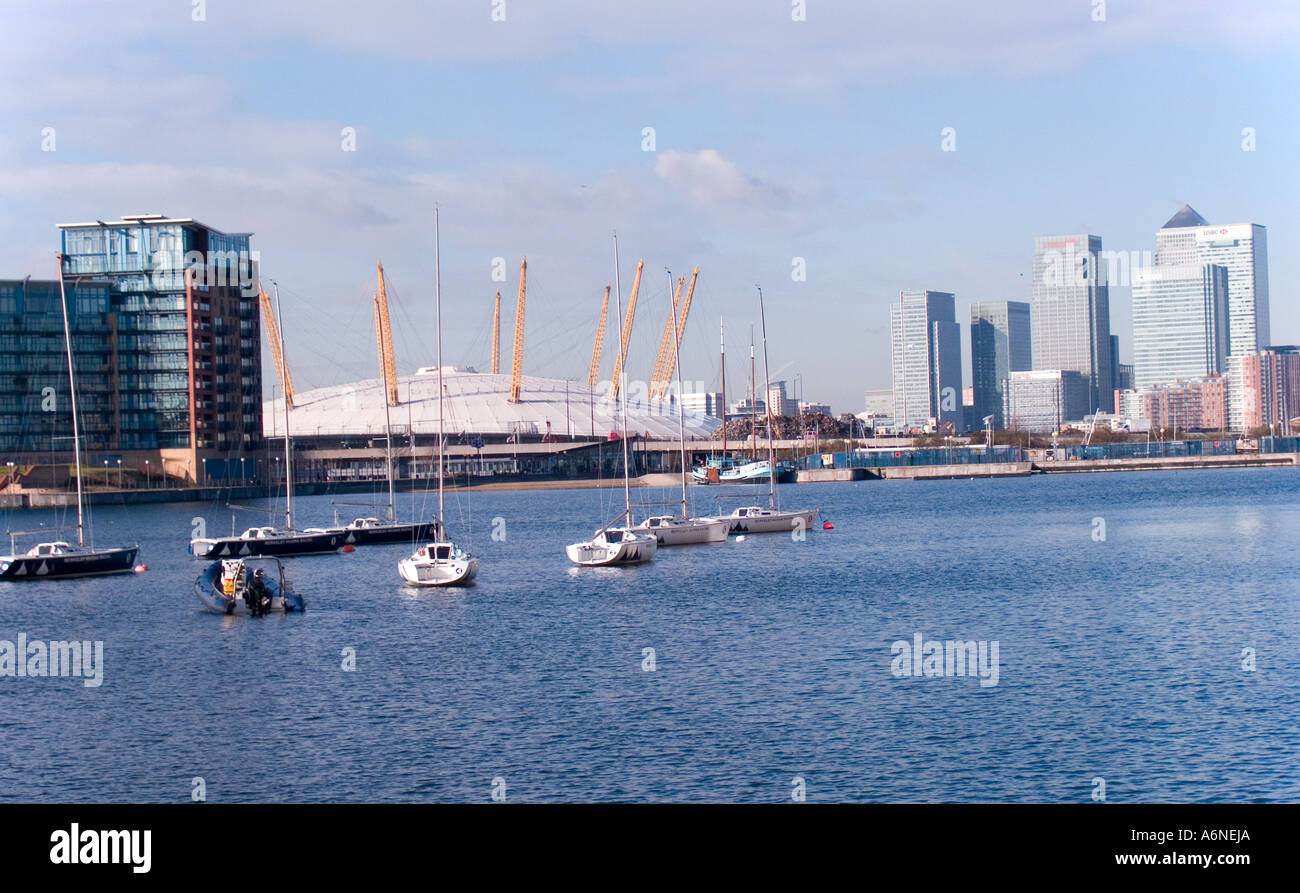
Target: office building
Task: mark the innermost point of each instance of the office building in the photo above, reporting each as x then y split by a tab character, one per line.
1180	322
925	347
1042	401
1001	342
1070	315
705	403
1242	248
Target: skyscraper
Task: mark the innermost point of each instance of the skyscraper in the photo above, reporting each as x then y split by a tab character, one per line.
1240	247
1001	342
1070	316
925	345
1180	322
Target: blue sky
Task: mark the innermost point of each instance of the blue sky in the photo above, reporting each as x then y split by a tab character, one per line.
775	139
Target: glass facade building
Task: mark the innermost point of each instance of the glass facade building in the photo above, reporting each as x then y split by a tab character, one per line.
1070	316
925	346
1180	322
35	409
166	339
1001	342
1242	248
1042	400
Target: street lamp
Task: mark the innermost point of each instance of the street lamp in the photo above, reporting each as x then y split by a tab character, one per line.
148	481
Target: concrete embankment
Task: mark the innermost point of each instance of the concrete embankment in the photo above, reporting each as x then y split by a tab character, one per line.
1176	463
946	472
817	475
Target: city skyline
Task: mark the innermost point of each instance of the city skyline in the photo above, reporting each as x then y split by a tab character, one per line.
771	144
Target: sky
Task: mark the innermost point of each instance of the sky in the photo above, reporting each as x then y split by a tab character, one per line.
787	136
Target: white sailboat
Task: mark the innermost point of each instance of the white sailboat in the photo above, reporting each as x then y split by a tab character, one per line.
613	544
669	530
442	562
756	519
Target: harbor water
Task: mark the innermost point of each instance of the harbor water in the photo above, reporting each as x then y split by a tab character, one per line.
1146	628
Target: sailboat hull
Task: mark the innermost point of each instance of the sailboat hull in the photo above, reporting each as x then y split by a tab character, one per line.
277	546
438	572
90	563
773	522
687	533
388	533
598	553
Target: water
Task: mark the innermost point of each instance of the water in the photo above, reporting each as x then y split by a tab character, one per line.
1119	659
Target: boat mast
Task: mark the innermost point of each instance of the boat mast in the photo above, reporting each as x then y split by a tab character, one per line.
622	391
681	410
753	400
767	404
284	390
722	341
437	300
72	394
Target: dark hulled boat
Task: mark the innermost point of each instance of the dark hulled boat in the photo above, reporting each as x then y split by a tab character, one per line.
60	560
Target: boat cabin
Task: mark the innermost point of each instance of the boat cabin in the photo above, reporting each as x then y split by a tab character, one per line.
363	523
59	548
257	533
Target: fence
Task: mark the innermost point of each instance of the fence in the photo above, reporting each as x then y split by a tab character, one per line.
932	456
1279	444
1155	450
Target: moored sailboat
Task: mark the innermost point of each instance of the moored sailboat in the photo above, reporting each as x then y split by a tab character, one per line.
756	519
613	544
441	562
59	559
268	540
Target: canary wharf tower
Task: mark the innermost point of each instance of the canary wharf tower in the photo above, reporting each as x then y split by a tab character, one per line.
1070	317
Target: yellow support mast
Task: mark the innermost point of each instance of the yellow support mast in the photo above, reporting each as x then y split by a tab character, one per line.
681	329
627	330
387	358
496	336
594	375
517	365
658	376
277	346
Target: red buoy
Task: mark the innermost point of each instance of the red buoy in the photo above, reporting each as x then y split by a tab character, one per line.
141	568
349	548
828	526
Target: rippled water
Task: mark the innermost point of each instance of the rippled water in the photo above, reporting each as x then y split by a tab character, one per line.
1119	659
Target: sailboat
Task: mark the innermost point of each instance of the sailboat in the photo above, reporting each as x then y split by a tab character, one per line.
669	530
613	544
756	519
267	540
58	559
373	531
441	562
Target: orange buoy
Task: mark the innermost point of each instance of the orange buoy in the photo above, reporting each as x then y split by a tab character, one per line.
141	568
349	548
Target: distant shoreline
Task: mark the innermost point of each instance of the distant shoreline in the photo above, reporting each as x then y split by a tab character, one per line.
41	499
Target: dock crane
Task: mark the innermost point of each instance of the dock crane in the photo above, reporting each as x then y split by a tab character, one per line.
663	373
387	359
496	336
517	365
594	375
277	346
627	330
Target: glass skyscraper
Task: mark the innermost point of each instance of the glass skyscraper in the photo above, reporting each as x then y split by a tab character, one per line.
925	346
1242	248
166	339
1180	322
1070	316
1001	342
